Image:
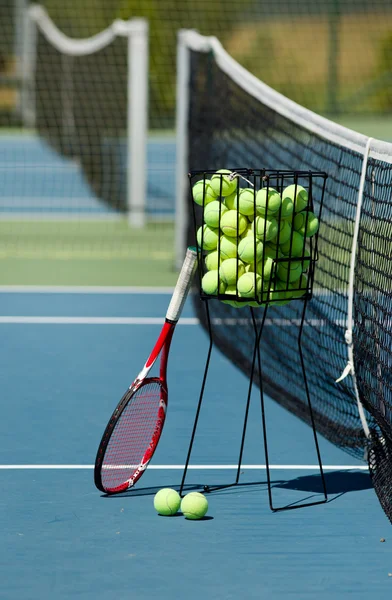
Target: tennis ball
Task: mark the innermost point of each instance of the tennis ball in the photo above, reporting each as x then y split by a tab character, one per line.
212	260
301	196
287	207
231	202
228	270
249	285
297	243
203	189
194	505
246	204
284	231
278	292
167	502
222	184
289	271
247	248
298	288
233	223
306	220
208	236
232	291
209	283
266	228
213	213
271	250
265	268
267	204
228	247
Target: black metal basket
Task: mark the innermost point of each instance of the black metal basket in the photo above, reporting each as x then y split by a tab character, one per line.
256	234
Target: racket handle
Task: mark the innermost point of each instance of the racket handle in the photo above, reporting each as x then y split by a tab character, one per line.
182	286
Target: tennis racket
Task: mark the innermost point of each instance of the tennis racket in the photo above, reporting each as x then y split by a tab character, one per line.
133	432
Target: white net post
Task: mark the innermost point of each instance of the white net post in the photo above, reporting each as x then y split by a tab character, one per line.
136	32
137	122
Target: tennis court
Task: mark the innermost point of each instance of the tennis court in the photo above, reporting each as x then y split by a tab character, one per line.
67	358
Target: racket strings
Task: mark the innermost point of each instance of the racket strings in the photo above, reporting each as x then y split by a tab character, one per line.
131	436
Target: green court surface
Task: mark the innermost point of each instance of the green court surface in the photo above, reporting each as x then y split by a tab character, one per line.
86	253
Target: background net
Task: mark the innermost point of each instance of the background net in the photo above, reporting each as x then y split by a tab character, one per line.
232	128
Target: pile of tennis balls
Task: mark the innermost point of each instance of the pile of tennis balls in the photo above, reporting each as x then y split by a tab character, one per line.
242	237
167	502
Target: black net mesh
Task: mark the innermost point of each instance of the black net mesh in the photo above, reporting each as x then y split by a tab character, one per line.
93	133
230	128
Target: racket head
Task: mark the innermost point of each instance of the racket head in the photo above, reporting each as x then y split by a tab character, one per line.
131	436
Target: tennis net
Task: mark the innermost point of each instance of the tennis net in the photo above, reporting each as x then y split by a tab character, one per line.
229	119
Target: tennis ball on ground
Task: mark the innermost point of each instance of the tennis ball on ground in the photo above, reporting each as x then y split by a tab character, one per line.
289	271
208	236
228	247
284	231
212	260
228	270
267	204
266	228
222	184
194	506
201	189
213	213
249	285
246	204
296	194
167	502
306	220
209	283
297	243
233	223
246	249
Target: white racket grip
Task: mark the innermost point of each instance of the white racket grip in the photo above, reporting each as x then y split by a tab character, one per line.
182	286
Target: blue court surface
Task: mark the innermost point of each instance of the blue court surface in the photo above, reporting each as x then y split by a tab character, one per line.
35	179
66	360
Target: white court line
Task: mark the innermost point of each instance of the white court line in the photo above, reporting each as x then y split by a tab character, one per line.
198	467
32	320
97	289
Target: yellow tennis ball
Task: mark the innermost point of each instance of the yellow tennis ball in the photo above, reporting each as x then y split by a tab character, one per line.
212	260
306	223
232	201
167	502
207	238
194	506
202	189
289	271
228	247
266	228
230	270
246	204
222	184
267	204
250	250
298	288
249	285
210	282
213	213
232	291
284	232
233	223
294	246
297	195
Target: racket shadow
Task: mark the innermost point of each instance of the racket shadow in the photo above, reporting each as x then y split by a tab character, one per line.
150	491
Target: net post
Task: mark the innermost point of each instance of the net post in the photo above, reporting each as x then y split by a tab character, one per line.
29	53
182	106
137	114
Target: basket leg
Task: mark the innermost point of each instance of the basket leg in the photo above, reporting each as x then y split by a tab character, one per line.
200	401
303	504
